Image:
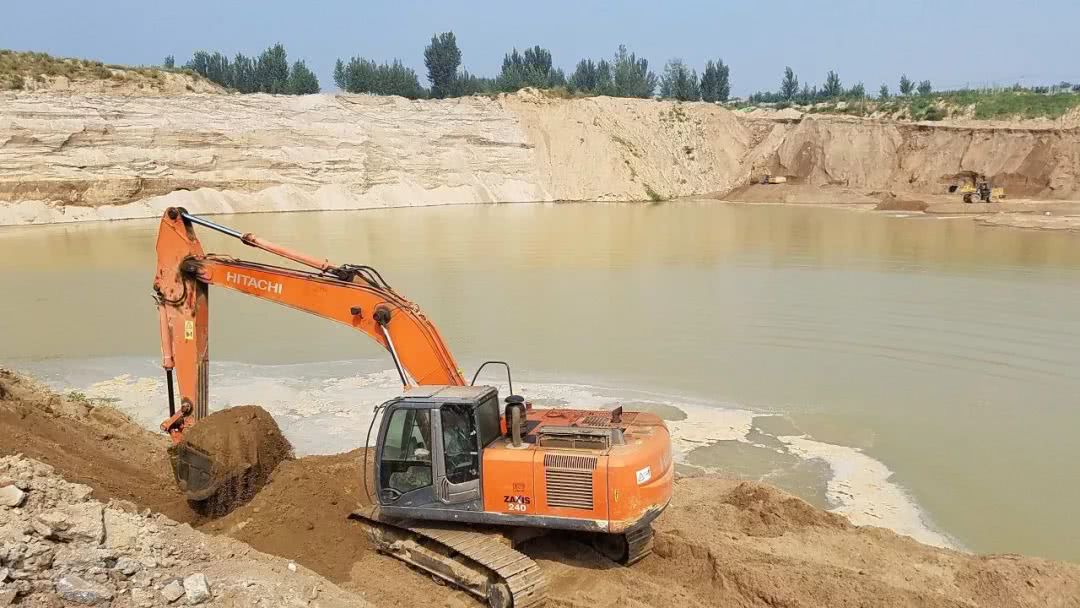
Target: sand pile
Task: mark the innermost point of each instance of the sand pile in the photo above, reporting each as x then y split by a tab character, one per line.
720	542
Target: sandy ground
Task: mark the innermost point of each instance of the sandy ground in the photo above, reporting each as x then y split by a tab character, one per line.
1044	214
720	543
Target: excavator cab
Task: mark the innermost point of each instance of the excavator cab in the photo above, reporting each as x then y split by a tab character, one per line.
430	444
447	453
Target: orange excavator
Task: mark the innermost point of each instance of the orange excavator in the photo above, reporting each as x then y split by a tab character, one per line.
460	478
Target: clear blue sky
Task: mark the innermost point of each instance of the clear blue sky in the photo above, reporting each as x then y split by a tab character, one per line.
950	42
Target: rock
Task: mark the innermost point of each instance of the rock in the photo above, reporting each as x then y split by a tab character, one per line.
16	552
71	558
197	589
172	591
53	520
121	529
7	597
41	528
127	566
292	567
75	589
142	579
3	574
80	493
142	598
12	496
87	522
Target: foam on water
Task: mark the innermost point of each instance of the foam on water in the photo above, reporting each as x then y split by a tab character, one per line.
327	408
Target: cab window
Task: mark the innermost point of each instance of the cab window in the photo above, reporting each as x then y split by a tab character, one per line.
406	453
460	443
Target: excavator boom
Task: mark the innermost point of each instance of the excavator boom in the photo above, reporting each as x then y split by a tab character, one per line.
356	296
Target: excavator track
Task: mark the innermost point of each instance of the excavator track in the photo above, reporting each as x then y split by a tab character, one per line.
626	549
639	544
482	563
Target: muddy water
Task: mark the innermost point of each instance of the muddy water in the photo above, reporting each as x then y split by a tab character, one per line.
847	356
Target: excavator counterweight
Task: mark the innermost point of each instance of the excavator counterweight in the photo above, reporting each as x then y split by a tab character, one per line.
460	478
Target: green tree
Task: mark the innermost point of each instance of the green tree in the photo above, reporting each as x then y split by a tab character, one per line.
272	70
883	92
789	86
302	81
906	85
465	84
592	77
832	87
715	81
169	63
442	58
631	76
339	75
212	66
924	87
679	82
243	74
605	80
199	63
361	75
533	68
857	92
584	77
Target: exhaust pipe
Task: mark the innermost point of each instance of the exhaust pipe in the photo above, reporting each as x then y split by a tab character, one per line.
515	418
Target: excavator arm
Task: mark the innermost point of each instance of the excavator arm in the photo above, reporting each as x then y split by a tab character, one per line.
356	296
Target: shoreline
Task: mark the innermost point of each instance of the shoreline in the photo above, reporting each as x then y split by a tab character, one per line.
318	415
1026	214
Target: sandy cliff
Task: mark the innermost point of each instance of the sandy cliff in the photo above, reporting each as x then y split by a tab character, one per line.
80	157
1028	161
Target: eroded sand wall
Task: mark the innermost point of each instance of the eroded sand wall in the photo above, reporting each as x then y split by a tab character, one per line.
87	157
1032	161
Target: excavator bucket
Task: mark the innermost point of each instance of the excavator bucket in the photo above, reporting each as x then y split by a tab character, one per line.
194	471
227	457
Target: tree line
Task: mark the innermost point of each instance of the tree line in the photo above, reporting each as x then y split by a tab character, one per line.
270	72
832	88
623	75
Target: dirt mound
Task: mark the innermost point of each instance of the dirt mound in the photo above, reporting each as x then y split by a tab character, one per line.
758	510
244	445
891	202
303	514
88	443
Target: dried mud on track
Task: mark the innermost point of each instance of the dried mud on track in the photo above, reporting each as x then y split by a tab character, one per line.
720	543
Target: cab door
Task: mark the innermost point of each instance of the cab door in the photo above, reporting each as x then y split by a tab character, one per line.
404	462
457	465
